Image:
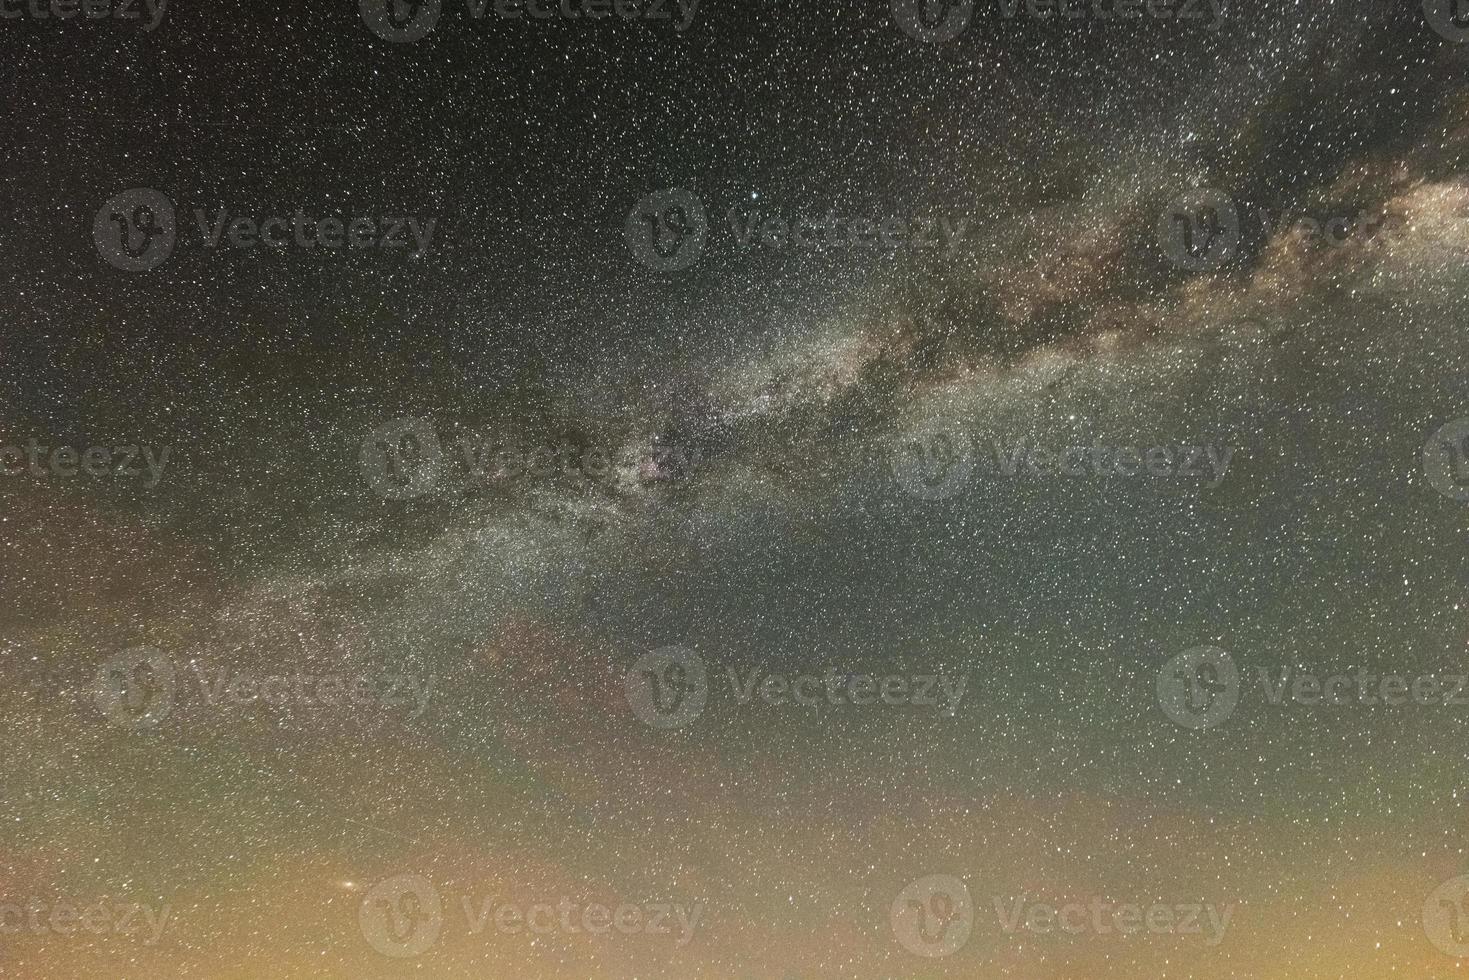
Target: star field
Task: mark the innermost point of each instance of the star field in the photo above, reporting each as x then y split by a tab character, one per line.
771	491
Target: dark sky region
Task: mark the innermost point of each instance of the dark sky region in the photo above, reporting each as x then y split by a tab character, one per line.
584	560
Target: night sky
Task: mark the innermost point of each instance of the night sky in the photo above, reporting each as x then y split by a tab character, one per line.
758	490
